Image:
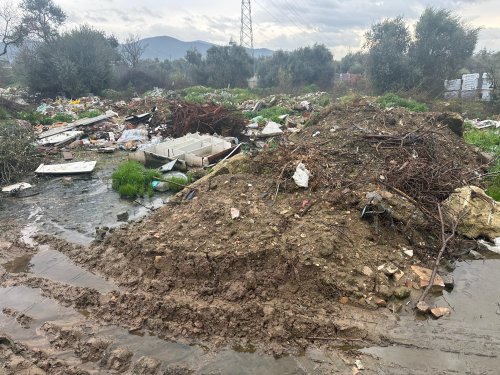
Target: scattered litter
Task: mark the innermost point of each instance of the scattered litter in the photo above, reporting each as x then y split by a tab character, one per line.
60	139
69	168
133	135
301	176
485	124
67	155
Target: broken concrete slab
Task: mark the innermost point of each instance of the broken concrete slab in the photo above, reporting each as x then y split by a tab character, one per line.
479	214
81	122
69	168
425	274
16	187
60	139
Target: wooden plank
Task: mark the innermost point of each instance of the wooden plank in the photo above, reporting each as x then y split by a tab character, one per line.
81	122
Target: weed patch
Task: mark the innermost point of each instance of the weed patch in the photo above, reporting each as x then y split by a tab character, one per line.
487	140
131	179
392	100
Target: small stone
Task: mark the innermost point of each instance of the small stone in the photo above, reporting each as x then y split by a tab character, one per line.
380	302
326	252
408	253
235	213
402	292
395	307
425	275
389	269
439	312
384	291
423	307
449	282
122	217
157	263
367	271
399	275
475	255
359	365
344	300
498	312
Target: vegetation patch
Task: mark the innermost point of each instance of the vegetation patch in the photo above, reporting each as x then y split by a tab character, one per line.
392	100
271	113
487	140
132	179
89	114
17	153
229	97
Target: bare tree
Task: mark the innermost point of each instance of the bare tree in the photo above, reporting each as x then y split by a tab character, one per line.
12	31
133	49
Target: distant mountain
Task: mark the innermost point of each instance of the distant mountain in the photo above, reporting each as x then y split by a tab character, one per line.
166	47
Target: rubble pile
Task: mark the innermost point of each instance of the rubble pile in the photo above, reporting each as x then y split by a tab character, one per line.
278	246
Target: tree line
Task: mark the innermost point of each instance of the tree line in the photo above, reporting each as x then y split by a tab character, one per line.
85	60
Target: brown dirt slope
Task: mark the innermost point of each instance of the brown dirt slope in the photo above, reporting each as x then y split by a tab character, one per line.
274	275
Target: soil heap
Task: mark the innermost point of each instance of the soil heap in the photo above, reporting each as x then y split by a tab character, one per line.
255	259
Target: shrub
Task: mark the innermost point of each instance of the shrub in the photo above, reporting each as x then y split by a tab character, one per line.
392	100
131	179
487	140
89	114
17	153
62	117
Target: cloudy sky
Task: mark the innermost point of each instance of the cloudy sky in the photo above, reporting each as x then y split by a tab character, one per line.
278	24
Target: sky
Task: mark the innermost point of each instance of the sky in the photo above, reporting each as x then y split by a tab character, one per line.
277	24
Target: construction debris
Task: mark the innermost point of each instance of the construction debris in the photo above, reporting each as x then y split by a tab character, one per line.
69	168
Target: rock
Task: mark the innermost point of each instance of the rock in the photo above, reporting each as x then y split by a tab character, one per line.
235	213
122	217
395	307
384	291
424	275
480	215
439	312
146	366
475	255
448	280
399	275
250	280
408	253
301	176
389	269
344	300
367	271
326	252
359	365
423	307
402	292
380	302
454	121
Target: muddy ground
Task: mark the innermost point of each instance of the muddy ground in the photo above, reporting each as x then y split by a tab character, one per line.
290	285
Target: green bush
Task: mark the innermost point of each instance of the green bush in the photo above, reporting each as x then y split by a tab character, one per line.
131	179
392	100
17	153
35	118
487	140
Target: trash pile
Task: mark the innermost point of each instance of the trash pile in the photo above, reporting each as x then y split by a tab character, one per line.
485	124
14	94
343	215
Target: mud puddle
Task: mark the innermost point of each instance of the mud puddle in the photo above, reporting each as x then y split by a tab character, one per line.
42	310
55	266
72	208
467	341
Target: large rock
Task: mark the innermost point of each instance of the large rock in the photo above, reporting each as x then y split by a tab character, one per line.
480	214
454	121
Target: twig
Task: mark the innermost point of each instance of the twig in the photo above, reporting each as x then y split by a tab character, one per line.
444	243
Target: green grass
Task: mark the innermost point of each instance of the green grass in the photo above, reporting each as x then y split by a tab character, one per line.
4	115
271	113
131	179
89	114
487	140
63	117
229	97
174	181
392	100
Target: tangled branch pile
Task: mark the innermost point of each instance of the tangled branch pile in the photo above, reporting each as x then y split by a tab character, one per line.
206	118
17	153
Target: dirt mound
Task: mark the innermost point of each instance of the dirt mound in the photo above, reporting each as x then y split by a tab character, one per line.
253	257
